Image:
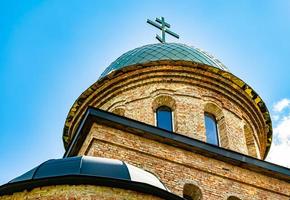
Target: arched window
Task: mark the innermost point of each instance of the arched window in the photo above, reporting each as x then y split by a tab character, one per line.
233	198
191	192
164	118
211	129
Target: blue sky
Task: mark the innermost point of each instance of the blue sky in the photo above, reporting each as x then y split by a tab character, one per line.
51	51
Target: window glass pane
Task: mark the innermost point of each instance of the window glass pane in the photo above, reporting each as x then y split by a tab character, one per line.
211	129
164	118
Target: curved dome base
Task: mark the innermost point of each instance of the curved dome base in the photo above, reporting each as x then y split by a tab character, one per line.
163	51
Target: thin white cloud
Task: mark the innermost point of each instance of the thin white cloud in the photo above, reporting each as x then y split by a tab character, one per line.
279	154
275	117
283	129
280	149
281	105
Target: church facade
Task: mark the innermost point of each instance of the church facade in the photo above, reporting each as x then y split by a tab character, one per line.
164	121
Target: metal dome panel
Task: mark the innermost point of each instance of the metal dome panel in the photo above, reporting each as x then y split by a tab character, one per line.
92	167
163	51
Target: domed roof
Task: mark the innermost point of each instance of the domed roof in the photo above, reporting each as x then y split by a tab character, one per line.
87	170
90	166
163	51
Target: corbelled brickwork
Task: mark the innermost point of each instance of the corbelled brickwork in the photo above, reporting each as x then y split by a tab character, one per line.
176	167
190	91
78	192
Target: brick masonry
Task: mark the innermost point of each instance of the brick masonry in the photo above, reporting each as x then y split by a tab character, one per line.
176	167
78	192
189	92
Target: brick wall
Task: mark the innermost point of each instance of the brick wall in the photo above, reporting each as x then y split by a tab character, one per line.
217	180
189	92
78	192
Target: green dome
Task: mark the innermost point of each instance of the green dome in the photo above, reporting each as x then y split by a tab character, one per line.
163	51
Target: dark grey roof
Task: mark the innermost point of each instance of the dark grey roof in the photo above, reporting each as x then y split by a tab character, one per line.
163	51
86	170
95	115
90	166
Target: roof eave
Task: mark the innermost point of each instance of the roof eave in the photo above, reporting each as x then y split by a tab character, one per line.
94	115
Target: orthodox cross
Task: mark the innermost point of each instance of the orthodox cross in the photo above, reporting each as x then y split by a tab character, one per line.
164	27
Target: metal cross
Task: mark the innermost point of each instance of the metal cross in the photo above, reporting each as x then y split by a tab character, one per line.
164	27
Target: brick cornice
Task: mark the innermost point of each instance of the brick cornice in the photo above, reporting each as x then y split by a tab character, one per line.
175	71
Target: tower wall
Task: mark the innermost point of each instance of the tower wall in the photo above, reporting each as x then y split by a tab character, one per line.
190	91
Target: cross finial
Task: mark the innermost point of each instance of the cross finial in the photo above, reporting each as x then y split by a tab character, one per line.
164	27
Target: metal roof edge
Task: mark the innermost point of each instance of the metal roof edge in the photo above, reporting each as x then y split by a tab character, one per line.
148	131
10	188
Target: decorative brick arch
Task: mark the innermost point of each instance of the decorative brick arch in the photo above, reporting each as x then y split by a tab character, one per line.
192	192
119	111
233	198
215	110
163	100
